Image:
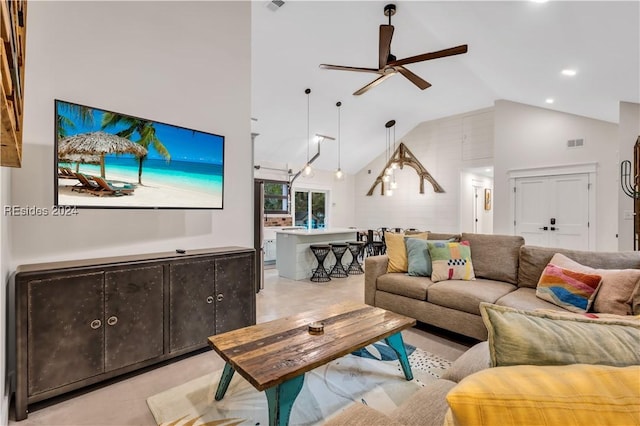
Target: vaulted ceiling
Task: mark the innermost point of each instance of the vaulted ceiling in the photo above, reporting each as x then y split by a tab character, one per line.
517	51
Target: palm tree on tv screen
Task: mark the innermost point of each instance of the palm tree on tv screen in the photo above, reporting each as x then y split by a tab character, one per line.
145	130
67	113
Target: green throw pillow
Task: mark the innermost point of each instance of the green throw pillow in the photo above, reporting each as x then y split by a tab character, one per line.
418	256
451	261
548	338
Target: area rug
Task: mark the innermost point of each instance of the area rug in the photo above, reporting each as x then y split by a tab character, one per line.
371	376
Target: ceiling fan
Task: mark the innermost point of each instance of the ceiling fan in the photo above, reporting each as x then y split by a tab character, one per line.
388	65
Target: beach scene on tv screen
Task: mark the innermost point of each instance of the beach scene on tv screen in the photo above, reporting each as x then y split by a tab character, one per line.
106	159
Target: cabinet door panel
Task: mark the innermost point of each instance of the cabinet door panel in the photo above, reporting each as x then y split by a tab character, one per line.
133	316
63	346
235	305
191	304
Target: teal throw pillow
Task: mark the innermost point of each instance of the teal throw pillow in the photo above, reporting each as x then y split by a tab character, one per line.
418	256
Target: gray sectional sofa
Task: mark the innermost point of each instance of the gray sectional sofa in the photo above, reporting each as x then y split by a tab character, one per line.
507	273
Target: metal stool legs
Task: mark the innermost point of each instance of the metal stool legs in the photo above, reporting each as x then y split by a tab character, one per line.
320	274
338	270
355	248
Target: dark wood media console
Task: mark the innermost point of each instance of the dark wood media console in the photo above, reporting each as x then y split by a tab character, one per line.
85	321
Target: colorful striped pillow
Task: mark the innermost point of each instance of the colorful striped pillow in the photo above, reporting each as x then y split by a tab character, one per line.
574	291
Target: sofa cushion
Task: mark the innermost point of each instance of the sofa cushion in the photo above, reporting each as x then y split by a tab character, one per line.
404	285
495	256
547	395
635	301
427	406
534	259
360	415
397	251
569	289
442	236
616	291
475	359
466	296
450	261
548	338
525	299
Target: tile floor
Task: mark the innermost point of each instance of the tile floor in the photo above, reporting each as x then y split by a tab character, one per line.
124	402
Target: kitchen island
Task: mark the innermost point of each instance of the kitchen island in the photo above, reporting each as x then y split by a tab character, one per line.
294	259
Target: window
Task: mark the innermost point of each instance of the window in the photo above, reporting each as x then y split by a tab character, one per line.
276	197
310	209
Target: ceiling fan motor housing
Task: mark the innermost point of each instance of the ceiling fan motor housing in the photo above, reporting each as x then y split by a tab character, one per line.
390	10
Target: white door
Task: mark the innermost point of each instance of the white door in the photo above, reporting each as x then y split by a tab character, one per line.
553	211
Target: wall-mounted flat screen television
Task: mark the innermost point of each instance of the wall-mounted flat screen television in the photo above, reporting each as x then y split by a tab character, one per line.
105	159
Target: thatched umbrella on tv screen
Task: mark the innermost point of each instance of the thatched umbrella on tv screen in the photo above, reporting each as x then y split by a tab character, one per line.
80	158
100	144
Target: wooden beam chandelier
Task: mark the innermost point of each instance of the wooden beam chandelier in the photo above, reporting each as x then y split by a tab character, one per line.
401	157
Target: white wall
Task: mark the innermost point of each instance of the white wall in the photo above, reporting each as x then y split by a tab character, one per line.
5	272
157	60
438	145
530	137
628	132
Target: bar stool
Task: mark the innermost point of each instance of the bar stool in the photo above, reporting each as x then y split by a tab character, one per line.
320	274
374	247
355	248
338	270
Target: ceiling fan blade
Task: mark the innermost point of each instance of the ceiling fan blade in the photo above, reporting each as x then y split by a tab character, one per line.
343	68
418	81
373	84
433	55
386	33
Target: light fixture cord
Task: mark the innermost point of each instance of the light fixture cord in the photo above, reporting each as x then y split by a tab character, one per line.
338	105
308	91
394	138
387	146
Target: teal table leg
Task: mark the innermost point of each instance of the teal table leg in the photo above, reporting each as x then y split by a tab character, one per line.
227	374
281	398
395	342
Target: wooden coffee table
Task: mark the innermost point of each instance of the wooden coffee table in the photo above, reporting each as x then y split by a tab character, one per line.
274	356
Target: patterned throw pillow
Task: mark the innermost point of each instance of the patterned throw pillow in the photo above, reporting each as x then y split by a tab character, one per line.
616	292
574	291
451	261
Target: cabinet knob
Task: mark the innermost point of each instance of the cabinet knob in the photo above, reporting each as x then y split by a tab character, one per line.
210	299
96	324
112	320
220	297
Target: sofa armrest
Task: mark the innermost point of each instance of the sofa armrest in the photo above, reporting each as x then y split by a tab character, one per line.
374	266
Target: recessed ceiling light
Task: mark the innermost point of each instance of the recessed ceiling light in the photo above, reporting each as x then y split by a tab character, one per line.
549	100
487	170
539	1
569	72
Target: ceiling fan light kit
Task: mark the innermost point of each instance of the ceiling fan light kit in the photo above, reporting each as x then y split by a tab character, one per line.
389	65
